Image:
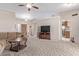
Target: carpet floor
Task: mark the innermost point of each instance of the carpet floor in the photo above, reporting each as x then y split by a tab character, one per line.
46	48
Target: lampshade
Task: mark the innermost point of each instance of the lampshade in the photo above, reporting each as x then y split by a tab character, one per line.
18	39
63	27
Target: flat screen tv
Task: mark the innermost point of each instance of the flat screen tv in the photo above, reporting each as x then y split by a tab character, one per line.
45	28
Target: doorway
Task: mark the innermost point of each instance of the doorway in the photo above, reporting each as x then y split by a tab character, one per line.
66	30
24	28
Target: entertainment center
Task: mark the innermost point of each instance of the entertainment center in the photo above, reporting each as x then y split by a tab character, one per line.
45	32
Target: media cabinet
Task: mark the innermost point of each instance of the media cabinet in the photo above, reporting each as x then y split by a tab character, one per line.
44	35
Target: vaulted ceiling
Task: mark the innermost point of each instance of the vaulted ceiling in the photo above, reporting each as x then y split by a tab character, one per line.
45	9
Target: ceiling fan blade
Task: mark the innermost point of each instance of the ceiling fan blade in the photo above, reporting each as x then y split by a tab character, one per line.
35	7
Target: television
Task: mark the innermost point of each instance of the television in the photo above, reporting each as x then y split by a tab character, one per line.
45	28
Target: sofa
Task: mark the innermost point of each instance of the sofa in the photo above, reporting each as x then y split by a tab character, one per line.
8	36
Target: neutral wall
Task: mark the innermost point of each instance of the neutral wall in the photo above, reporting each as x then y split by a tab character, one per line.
54	27
74	23
8	21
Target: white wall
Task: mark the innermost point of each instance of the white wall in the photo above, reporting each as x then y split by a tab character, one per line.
8	21
54	27
74	23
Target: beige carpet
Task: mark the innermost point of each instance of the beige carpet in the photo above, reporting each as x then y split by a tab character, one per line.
46	48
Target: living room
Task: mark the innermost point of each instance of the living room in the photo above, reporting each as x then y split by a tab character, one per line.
46	30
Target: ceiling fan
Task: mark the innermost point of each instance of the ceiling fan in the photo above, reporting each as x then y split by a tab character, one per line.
29	6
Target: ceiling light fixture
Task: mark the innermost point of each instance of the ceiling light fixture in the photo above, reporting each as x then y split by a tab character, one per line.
29	5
